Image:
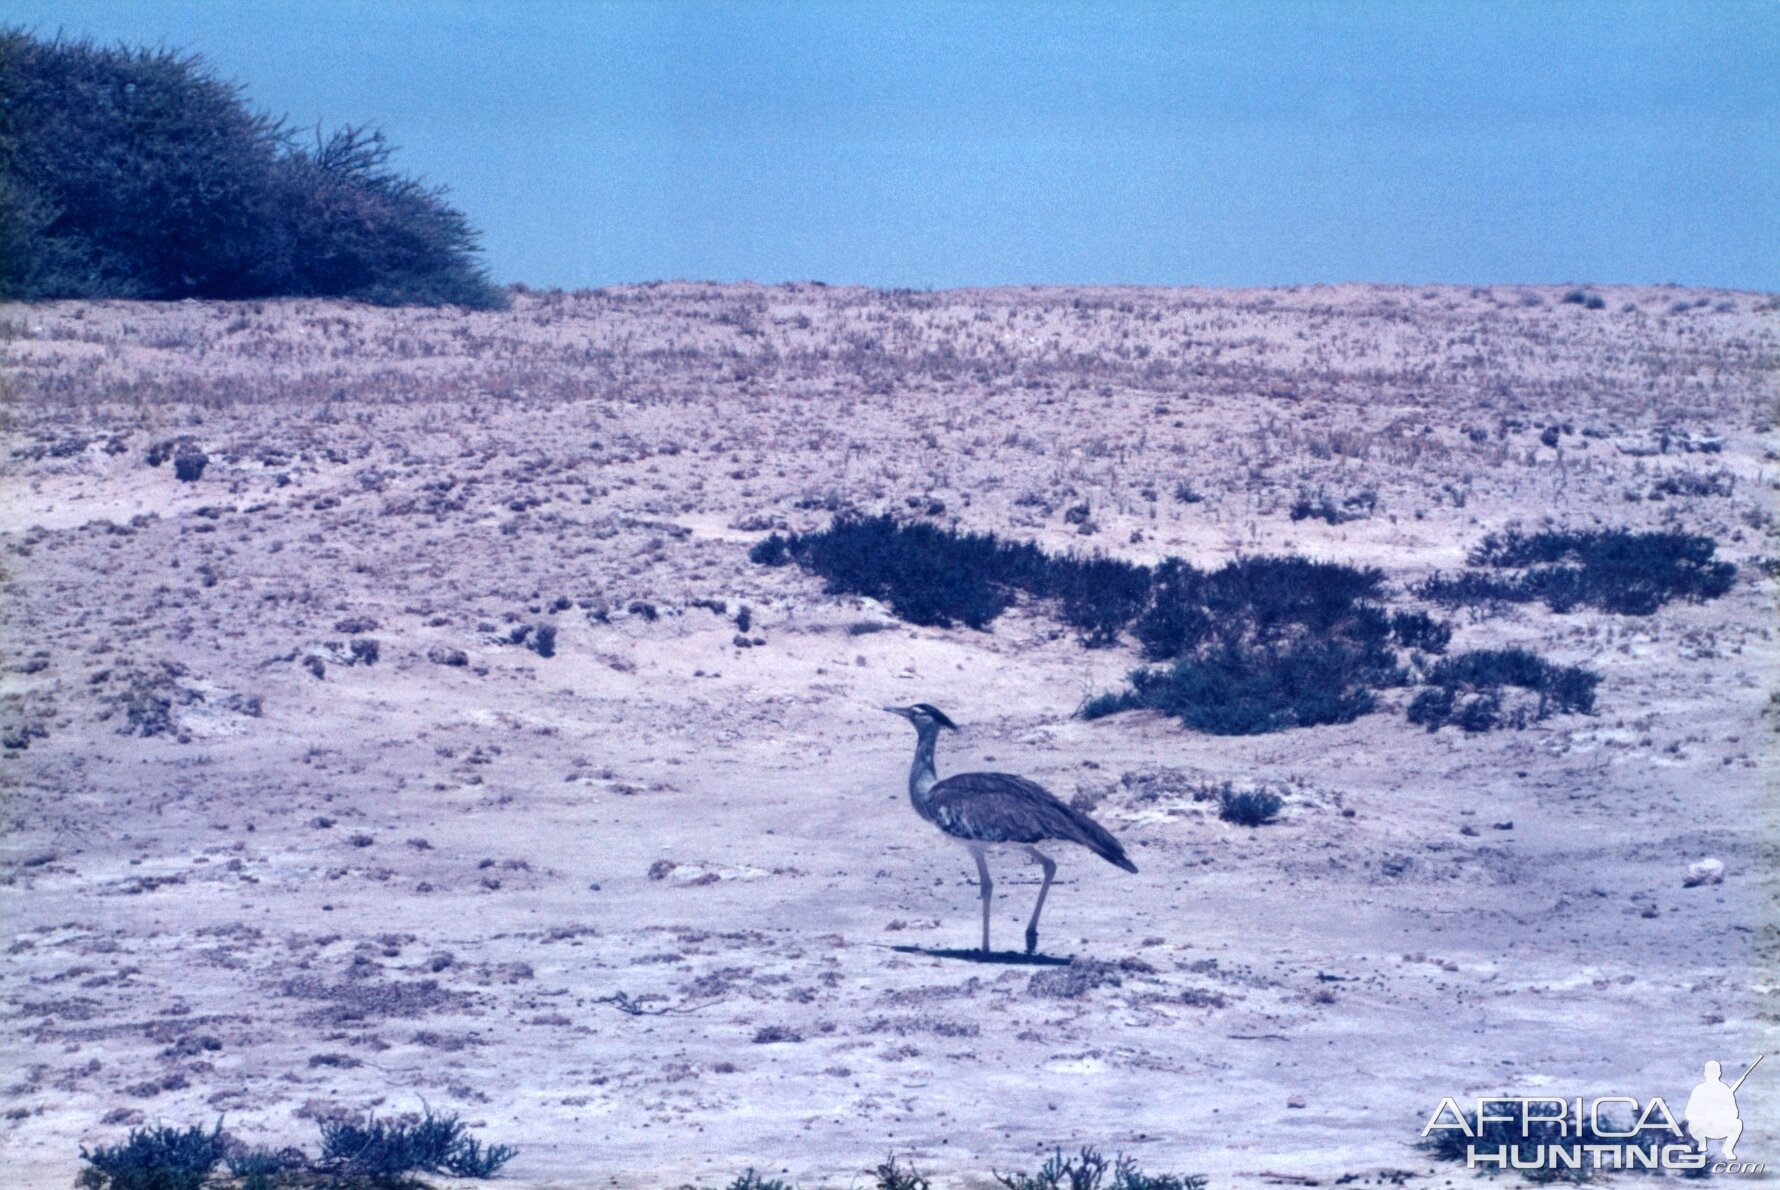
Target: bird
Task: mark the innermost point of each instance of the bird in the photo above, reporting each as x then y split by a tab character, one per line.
988	810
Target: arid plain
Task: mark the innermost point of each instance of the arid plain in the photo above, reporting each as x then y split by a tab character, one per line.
420	751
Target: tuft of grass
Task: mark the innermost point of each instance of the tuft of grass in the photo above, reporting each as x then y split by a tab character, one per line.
1088	1170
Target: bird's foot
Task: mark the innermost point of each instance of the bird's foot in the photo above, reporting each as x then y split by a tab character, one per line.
1031	940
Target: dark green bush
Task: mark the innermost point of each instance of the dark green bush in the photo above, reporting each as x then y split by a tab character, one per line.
139	173
770	551
1261	600
381	1149
939	577
159	1158
1466	690
1419	630
1248	807
1249	689
372	1155
1614	570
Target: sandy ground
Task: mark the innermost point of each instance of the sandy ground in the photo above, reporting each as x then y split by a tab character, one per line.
258	868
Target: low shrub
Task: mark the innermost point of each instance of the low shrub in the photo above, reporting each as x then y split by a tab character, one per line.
1248	807
382	1149
1614	570
753	1181
893	1175
1088	1170
1419	630
1259	600
1467	690
158	1158
1248	690
372	1154
939	577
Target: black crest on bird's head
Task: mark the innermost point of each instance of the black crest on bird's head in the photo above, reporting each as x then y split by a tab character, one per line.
935	714
924	712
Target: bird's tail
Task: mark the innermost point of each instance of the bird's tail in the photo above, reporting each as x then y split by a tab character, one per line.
1099	840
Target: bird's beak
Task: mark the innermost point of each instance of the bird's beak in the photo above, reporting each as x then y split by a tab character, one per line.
902	711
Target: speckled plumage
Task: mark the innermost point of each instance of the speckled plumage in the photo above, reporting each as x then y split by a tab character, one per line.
982	810
1003	808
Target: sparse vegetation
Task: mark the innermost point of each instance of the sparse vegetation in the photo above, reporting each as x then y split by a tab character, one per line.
1248	690
139	173
1088	1170
1614	570
1419	630
1248	807
1320	505
1468	690
1259	645
371	1154
157	1158
935	576
750	1180
891	1174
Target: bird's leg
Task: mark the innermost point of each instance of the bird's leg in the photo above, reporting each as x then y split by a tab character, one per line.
1050	867
988	887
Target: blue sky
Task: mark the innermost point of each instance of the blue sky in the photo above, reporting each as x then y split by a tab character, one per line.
939	145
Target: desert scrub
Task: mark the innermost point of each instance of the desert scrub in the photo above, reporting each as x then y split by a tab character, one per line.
1467	690
158	1158
1262	644
371	1154
1249	690
1614	570
939	577
1088	1170
1248	807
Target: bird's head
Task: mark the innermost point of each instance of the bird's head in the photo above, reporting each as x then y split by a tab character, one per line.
925	716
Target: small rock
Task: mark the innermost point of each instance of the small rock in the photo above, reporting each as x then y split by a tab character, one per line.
1706	871
440	655
1298	1101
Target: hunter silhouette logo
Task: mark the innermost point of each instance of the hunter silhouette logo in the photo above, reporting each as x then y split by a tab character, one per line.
1712	1109
1613	1132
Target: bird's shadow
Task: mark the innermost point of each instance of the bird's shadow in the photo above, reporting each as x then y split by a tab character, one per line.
1011	958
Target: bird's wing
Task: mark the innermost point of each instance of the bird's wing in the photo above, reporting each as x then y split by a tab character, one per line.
1003	808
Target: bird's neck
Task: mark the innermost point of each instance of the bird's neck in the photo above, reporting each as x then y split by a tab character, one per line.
922	776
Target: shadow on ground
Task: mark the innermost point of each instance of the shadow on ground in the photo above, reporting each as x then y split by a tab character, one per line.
1008	957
